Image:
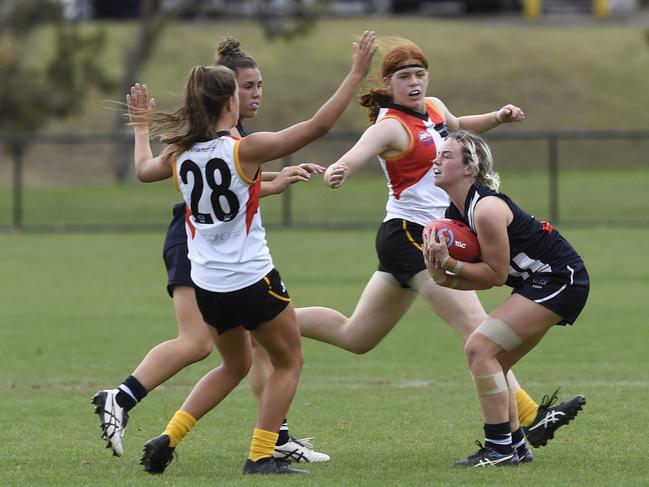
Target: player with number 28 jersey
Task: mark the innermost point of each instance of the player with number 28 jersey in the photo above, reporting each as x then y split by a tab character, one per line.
223	217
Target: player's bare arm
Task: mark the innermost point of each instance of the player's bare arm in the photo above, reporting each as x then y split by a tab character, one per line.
385	138
268	146
141	109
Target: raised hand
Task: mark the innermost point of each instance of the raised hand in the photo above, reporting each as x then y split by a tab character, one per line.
363	52
141	108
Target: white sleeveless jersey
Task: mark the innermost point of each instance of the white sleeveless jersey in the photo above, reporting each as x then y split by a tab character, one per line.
412	194
226	240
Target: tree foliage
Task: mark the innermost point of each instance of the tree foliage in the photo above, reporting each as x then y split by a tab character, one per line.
32	93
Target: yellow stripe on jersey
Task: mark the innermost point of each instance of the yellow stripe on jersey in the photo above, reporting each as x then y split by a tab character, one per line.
274	294
410	137
404	225
237	164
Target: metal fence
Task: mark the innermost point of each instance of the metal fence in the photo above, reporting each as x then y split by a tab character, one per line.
554	153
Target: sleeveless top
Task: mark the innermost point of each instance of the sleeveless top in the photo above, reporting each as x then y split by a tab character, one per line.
412	194
226	239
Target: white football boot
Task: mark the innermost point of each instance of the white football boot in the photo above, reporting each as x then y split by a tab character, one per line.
299	451
112	419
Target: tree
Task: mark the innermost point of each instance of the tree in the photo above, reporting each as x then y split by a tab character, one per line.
33	94
156	15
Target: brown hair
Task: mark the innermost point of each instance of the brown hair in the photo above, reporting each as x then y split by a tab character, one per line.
207	91
400	50
232	56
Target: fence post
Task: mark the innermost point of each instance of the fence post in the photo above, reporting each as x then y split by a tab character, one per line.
17	151
553	169
287	215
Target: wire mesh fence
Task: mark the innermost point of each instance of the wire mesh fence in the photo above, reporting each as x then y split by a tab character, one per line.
66	182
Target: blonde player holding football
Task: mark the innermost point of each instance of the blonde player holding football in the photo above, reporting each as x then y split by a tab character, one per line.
549	280
408	128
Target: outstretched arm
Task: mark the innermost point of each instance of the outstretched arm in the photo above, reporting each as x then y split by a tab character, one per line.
483	122
386	136
277	182
266	146
140	111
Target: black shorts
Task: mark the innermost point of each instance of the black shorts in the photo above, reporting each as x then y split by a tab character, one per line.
175	252
398	245
248	307
565	293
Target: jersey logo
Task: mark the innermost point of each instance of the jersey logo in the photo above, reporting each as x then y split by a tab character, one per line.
425	138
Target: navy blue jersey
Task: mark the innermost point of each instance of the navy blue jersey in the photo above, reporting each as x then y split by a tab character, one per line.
535	248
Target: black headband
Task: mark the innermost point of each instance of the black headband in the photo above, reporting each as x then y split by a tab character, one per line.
405	66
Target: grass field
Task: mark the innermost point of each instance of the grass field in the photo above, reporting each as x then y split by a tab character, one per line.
78	312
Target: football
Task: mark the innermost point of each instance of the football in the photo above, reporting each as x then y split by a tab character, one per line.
462	243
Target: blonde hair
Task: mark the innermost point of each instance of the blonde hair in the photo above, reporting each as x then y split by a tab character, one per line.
477	155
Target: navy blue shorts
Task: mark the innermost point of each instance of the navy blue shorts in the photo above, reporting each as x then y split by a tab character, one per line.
398	245
565	292
175	251
178	267
248	307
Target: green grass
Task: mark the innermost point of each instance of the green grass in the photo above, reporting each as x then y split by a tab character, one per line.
78	313
585	197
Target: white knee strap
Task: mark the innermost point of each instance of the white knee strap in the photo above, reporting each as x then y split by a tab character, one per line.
500	333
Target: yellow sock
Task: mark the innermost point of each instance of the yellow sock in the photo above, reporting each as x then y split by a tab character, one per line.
527	408
263	444
179	426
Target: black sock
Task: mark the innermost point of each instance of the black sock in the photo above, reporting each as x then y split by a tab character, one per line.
131	391
283	433
499	437
518	441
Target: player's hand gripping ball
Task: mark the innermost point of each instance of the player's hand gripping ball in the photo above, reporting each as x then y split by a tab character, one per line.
462	243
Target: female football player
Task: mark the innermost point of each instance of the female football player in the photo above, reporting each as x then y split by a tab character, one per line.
194	342
407	130
549	280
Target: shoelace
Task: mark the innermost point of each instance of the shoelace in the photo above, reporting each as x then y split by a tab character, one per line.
548	401
482	449
305	442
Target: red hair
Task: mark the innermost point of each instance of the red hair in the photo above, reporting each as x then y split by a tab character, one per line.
400	51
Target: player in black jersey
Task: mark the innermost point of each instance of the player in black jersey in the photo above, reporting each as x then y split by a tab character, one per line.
194	342
549	280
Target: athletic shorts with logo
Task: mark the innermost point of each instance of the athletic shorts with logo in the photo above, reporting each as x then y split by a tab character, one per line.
565	291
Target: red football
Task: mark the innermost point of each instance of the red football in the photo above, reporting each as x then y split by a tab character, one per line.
461	241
